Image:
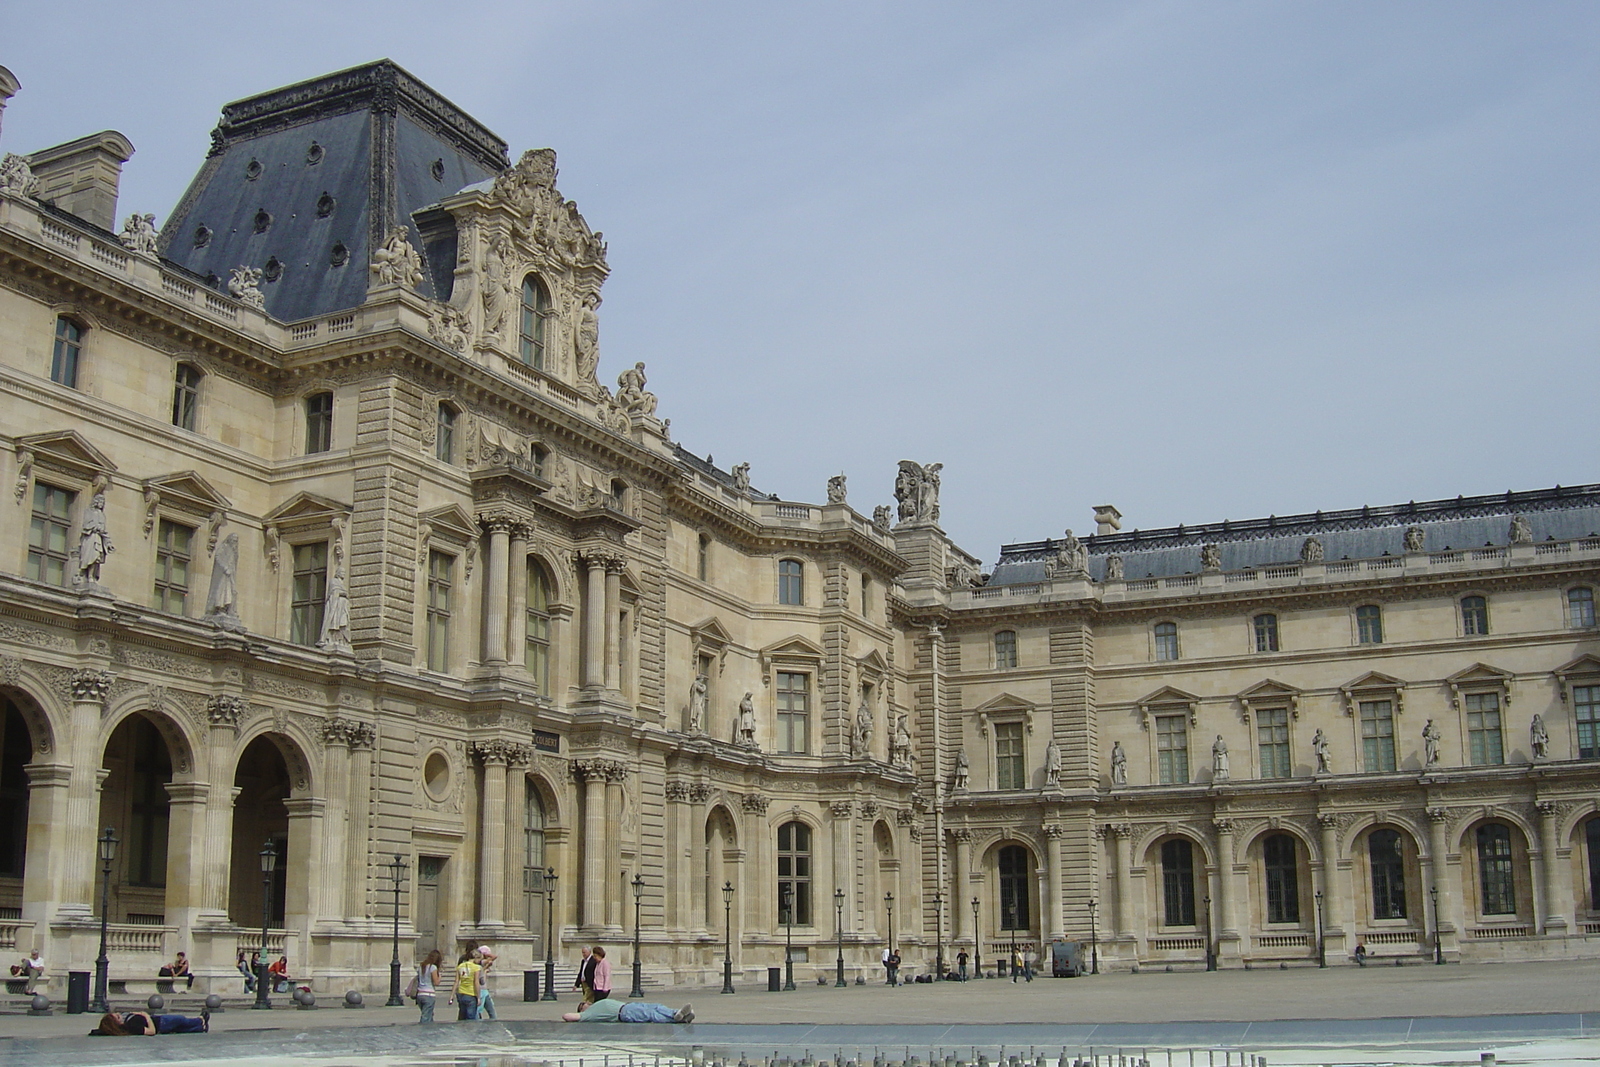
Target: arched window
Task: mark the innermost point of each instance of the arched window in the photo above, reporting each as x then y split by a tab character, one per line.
1013	864
536	646
444	440
64	357
791	582
1266	627
1591	833
1166	641
1496	888
1177	882
794	869
535	309
319	422
1369	624
1005	650
186	396
1283	879
1474	615
1388	865
1580	607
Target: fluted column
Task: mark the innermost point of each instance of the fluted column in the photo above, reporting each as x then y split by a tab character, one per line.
1556	888
517	759
494	591
80	872
1123	832
594	623
303	893
517	596
616	774
492	833
592	910
1445	917
699	905
961	858
1227	926
842	811
613	622
1055	927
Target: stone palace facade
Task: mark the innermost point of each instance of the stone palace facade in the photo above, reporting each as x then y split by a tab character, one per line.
324	533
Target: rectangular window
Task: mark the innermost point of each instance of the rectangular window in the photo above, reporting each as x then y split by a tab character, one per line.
794	873
536	647
64	357
1586	710
185	397
1008	762
791	586
319	422
1483	729
172	567
1580	607
48	535
1377	736
1172	749
1272	734
310	593
1495	870
1283	879
1474	616
1005	650
794	712
1166	641
1266	633
440	568
1369	625
1388	865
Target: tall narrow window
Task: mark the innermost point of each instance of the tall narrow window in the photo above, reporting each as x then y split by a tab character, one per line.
1005	650
1272	736
310	593
1177	882
1591	833
791	582
440	568
1009	767
1377	736
148	775
1474	615
1484	743
1495	885
444	438
1172	749
1580	607
702	559
794	712
794	869
48	534
172	567
1586	712
536	651
1283	879
866	594
64	357
186	396
535	309
319	422
1015	913
1369	624
1266	633
533	820
1166	641
1388	874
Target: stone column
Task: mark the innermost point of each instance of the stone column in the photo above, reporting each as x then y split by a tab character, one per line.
751	874
518	757
1124	858
1056	926
1332	898
1445	917
961	859
699	906
1557	883
357	837
594	623
1227	925
517	596
224	711
842	811
303	904
186	848
337	786
80	867
616	775
494	591
49	787
592	911
492	833
613	622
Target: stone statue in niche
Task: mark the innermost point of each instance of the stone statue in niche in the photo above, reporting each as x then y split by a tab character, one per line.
916	489
1415	539
1113	568
1311	551
397	263
336	615
222	601
1521	531
586	340
1210	558
1219	760
94	541
861	737
1119	764
1430	744
958	783
139	235
1539	737
244	284
836	490
741	478
698	690
1319	749
882	517
631	393
498	289
747	722
901	750
1052	763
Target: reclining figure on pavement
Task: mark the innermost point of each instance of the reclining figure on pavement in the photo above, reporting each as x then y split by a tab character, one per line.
617	1011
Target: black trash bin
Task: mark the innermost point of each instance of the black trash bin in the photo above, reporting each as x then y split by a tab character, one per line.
77	992
530	985
774	979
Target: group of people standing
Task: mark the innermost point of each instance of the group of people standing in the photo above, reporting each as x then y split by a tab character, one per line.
469	984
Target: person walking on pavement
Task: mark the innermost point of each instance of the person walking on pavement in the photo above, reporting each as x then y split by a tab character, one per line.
428	984
467	987
585	980
961	964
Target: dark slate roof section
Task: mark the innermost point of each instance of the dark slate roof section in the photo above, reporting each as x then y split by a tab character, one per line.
710	470
1560	514
305	182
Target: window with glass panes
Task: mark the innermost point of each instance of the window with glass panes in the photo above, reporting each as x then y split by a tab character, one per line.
309	593
1005	650
444	438
172	566
1496	891
791	588
64	357
1484	747
186	396
535	309
1377	736
794	869
1172	749
1009	766
1586	711
149	772
1591	834
1369	625
1166	641
533	819
1272	737
1266	633
794	711
1388	865
1580	607
1177	882
1015	910
1474	615
536	643
440	568
48	534
1281	862
319	422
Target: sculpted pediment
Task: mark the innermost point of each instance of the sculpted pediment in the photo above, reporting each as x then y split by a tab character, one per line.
1269	693
306	509
1008	706
189	491
66	451
793	646
450	522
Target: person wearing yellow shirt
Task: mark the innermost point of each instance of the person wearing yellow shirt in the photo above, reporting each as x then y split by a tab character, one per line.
467	987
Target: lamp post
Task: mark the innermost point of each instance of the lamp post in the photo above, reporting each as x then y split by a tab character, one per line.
838	926
888	902
1011	922
638	897
549	934
1438	946
788	937
397	871
1211	957
269	863
108	853
938	935
1094	939
1322	941
977	953
727	918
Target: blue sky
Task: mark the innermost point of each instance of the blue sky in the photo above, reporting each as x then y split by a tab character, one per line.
1198	260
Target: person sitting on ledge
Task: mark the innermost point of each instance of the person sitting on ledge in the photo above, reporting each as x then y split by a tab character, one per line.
178	968
139	1024
616	1011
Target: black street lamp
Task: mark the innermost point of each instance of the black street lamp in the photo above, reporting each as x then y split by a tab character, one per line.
269	863
549	934
397	871
1094	939
977	952
1438	946
788	936
638	898
727	918
1011	921
1211	957
938	935
838	908
108	853
888	902
1322	940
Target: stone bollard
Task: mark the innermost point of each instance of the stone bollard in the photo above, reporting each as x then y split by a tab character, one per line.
1486	1059
305	1000
352	999
39	1005
214	1003
156	1002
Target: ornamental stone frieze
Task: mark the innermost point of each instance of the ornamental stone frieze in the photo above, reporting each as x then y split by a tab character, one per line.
225	709
1224	826
699	793
1053	830
677	790
754	803
506	753
349	732
599	769
841	809
869	808
91	685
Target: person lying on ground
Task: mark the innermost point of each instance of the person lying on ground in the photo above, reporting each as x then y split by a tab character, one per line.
616	1011
139	1023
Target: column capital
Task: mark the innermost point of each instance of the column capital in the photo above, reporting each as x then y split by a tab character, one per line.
226	709
699	793
841	809
496	524
1121	829
1439	815
1327	821
1546	808
601	770
1054	831
1225	827
962	834
349	732
755	803
677	789
91	686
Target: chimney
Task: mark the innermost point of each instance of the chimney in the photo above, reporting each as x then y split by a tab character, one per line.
8	88
1107	519
80	177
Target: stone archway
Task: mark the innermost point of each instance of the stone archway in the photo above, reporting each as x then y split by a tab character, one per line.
16	749
260	815
134	801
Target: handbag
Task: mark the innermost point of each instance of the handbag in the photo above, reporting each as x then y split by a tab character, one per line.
411	989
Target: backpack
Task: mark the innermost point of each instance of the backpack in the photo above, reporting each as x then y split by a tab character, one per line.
411	989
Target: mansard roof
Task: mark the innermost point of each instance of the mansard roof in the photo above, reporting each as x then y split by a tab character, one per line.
1464	522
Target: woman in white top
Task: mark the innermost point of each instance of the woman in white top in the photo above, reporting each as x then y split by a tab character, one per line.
427	984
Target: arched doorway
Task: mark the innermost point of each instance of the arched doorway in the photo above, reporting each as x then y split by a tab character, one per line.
134	802
260	815
16	749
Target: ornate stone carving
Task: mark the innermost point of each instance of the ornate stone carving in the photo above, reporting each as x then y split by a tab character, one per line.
244	283
914	831
510	754
91	685
397	263
1113	568
1224	826
603	769
905	817
1121	829
1439	815
94	541
269	544
24	474
869	808
741	477
1210	558
677	789
225	709
882	517
139	235
963	771
10	670
1521	533
1071	559
900	743
841	809
1053	830
754	803
16	177
1119	764
631	393
449	326
1415	539
916	490
836	489
698	690
336	615
1311	551
699	793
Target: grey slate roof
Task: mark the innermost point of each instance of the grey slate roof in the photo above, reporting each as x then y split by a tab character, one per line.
328	164
1557	514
